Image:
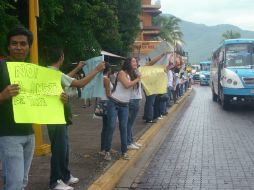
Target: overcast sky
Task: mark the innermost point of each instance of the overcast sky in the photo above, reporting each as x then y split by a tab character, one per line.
212	12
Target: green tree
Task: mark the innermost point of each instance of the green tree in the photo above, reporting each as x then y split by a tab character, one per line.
230	34
81	27
6	22
170	30
129	22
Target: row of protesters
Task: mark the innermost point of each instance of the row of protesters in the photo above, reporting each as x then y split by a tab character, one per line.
126	80
60	175
16	139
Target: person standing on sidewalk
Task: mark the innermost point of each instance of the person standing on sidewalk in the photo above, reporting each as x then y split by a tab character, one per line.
60	176
16	139
134	104
118	104
149	103
107	92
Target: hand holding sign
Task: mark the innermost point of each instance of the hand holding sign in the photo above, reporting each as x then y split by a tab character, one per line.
10	91
36	98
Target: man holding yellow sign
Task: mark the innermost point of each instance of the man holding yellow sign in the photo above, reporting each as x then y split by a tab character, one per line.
16	138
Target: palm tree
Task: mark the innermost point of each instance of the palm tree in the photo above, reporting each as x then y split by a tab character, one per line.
230	34
170	30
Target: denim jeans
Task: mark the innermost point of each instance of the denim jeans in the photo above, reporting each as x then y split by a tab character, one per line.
156	107
133	112
170	94
16	154
59	164
104	132
148	110
114	110
163	107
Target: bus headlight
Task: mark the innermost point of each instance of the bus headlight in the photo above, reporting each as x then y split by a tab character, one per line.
229	81
235	83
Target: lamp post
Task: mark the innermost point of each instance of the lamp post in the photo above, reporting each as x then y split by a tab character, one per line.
40	148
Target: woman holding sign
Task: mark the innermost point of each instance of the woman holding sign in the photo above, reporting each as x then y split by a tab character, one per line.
126	80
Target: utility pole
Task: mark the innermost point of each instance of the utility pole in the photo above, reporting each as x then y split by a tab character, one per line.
40	148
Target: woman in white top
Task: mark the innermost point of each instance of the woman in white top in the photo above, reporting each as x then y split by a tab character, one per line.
118	104
107	89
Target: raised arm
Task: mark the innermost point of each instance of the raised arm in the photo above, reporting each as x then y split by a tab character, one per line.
77	69
124	80
82	82
155	60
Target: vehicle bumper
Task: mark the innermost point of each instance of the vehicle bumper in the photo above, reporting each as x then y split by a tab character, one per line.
239	91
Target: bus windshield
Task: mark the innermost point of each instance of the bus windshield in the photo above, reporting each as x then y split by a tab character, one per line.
239	55
205	67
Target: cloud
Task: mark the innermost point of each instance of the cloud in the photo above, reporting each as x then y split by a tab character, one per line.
212	12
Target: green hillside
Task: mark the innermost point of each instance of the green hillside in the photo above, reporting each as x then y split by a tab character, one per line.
200	40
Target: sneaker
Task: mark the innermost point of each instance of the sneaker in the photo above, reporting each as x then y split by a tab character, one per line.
160	117
62	186
137	144
125	156
102	153
132	147
72	180
150	121
107	156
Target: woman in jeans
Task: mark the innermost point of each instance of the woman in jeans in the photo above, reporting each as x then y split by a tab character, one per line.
107	88
126	79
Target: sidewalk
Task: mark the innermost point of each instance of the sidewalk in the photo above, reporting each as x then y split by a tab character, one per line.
84	141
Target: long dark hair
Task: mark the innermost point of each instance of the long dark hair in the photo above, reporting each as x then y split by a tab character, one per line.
126	66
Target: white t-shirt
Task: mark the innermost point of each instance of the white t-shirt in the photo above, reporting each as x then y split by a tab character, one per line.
170	78
136	92
104	97
121	93
65	79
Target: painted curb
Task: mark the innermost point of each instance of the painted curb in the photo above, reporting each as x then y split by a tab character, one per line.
109	179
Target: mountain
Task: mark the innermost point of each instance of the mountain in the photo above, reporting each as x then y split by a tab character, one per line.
201	40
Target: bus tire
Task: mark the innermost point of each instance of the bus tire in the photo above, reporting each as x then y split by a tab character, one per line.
224	101
215	96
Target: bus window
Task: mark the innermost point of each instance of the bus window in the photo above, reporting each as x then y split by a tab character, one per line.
238	55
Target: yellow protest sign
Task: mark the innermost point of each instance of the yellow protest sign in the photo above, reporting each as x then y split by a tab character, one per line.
38	100
154	79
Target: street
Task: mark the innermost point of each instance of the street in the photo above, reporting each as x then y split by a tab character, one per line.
207	148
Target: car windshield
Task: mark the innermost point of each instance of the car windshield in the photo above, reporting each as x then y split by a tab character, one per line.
239	55
196	68
205	67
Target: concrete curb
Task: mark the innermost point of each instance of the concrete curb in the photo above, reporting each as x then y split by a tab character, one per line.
110	178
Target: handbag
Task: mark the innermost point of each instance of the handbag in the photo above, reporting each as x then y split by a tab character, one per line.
101	108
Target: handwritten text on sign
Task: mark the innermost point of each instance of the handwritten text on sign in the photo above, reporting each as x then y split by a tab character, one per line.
154	79
38	100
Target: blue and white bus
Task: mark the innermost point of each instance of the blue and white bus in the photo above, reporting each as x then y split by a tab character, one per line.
232	72
204	74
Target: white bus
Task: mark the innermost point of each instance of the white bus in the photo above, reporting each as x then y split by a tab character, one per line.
232	72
